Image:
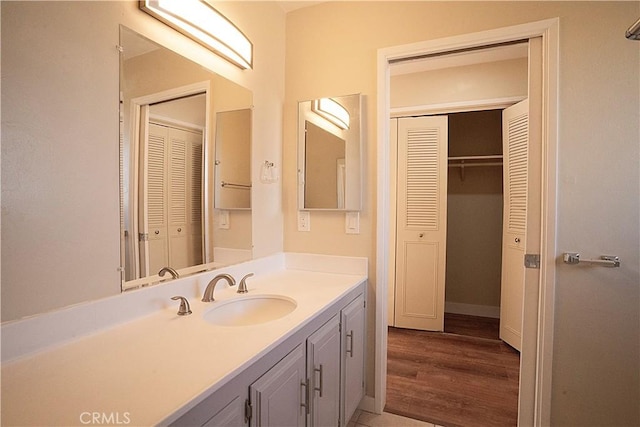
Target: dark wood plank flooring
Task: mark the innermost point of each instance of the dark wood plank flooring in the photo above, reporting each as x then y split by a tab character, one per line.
473	326
453	379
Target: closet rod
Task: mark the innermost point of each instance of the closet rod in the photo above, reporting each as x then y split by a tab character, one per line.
472	165
492	157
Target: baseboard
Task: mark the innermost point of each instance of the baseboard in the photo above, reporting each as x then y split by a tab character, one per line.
368	404
472	309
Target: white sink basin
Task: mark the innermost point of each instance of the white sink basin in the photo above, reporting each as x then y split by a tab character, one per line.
251	310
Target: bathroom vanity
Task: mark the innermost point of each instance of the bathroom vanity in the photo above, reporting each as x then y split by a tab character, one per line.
153	367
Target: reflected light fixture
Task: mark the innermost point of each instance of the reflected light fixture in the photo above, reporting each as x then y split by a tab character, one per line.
198	20
332	111
633	33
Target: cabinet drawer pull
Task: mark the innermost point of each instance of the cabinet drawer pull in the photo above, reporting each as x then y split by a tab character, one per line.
350	343
319	389
304	385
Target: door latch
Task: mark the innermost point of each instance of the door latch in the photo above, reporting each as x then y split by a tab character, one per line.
532	260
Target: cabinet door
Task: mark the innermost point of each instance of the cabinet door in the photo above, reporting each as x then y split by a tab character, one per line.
353	323
278	397
323	370
231	415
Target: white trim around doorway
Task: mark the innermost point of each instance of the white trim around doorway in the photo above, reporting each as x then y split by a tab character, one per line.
536	379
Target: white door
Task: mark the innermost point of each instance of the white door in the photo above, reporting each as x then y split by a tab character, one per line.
185	197
421	218
515	139
171	202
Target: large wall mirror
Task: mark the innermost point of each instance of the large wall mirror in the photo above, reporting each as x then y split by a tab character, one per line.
181	125
329	154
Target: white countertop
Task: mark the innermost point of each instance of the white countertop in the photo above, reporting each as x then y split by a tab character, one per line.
146	369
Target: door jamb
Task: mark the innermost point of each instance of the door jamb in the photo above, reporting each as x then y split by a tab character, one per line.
538	393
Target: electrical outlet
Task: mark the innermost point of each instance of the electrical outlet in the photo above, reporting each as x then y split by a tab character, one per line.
304	221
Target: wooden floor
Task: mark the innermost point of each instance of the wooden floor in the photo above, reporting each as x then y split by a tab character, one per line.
453	379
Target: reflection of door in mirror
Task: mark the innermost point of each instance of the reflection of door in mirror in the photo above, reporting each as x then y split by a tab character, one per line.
324	168
173	186
170	177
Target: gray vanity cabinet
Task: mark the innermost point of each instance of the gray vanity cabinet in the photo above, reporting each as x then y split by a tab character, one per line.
313	378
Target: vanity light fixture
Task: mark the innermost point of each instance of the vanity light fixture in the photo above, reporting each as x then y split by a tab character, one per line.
332	111
198	20
633	33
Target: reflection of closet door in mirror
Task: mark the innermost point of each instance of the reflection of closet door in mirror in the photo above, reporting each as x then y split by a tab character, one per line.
174	191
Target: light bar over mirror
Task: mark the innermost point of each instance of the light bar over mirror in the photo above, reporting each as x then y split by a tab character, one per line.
198	20
333	111
633	33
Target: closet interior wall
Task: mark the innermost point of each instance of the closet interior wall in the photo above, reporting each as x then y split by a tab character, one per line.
474	216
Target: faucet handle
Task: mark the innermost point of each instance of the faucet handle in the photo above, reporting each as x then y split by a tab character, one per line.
242	287
184	309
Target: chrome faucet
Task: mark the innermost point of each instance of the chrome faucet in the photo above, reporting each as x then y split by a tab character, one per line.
171	270
208	292
184	309
242	287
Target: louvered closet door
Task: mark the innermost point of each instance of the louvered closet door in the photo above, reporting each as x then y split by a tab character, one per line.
194	207
184	197
421	223
515	134
156	211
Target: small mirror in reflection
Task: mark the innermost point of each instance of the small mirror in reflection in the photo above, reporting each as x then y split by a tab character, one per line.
329	153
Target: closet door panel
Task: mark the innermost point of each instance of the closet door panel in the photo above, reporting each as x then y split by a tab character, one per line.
154	190
515	132
421	223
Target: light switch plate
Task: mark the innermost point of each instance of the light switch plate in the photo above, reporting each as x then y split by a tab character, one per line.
352	222
223	220
304	221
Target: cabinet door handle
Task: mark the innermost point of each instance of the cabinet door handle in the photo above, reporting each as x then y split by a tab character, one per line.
350	343
319	389
304	385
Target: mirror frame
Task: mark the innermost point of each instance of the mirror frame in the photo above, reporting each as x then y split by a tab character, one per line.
353	154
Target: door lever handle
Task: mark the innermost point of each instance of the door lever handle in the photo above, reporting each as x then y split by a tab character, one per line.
573	258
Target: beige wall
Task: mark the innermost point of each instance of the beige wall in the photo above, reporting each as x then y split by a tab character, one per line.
500	79
60	221
331	50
